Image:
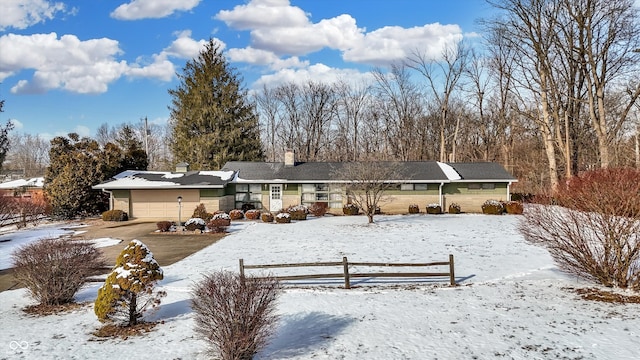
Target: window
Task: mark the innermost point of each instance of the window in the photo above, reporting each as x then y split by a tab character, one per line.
479	186
416	187
331	194
248	194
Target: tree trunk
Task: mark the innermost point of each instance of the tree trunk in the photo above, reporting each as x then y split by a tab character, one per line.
133	304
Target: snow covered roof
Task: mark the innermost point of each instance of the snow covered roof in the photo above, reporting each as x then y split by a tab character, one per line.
37	182
134	179
408	172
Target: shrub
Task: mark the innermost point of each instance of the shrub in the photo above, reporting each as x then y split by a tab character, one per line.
454	208
350	209
164	226
194	224
235	316
595	232
53	270
492	207
129	289
514	207
252	214
247	206
434	209
283	218
219	223
318	209
266	217
236	214
298	212
115	215
414	209
201	212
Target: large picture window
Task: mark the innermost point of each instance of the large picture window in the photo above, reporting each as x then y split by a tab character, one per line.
313	193
248	194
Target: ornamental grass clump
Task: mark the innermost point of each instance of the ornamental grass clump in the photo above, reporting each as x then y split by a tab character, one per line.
492	207
434	209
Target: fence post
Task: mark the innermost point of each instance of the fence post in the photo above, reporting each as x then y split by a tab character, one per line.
347	281
241	270
452	275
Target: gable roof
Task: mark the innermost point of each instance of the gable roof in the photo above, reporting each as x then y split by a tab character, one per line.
133	179
409	172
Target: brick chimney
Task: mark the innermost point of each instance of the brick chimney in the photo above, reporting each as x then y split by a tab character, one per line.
289	157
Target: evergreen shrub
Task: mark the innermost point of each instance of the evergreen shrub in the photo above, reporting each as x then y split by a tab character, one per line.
115	215
201	212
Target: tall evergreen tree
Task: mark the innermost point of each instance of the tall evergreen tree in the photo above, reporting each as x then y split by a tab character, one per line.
211	120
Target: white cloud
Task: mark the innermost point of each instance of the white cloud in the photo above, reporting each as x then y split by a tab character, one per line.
184	47
20	14
264	14
394	43
316	72
144	9
82	131
263	57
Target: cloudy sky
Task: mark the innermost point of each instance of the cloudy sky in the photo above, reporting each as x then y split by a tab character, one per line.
70	66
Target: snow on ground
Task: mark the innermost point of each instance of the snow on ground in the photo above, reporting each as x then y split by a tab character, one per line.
512	302
11	241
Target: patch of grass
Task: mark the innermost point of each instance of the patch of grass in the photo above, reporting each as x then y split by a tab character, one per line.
46	310
594	294
124	332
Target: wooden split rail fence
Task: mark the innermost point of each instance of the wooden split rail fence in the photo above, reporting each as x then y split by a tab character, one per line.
347	275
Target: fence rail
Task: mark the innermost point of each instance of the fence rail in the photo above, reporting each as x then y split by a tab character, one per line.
348	275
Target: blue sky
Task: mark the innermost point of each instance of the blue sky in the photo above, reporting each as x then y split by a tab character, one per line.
70	66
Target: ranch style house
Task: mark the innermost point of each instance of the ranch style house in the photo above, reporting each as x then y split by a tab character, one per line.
272	186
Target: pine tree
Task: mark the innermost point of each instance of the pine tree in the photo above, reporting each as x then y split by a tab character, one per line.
211	119
129	288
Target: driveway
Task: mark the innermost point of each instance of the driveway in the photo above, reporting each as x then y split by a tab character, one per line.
167	248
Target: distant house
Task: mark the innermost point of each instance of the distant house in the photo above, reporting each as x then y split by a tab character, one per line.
23	188
275	185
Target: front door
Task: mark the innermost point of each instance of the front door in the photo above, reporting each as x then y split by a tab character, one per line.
275	198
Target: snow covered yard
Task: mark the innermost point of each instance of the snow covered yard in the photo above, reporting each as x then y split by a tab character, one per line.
512	302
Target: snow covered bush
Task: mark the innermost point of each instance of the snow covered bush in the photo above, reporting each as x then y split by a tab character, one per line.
236	214
252	214
434	209
164	226
130	287
266	217
194	224
350	209
492	207
53	270
219	223
514	207
414	209
297	212
591	226
114	215
235	316
283	218
454	208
